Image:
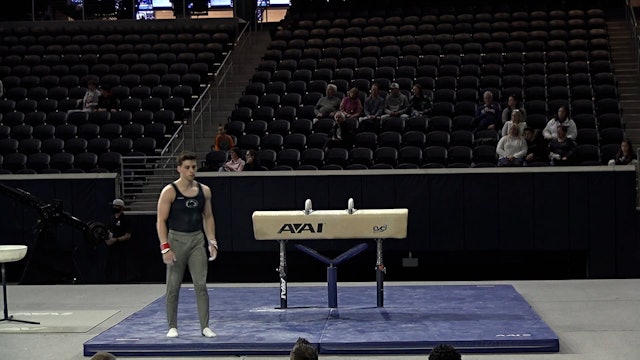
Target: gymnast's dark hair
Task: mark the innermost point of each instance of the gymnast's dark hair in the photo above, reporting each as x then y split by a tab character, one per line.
444	352
303	350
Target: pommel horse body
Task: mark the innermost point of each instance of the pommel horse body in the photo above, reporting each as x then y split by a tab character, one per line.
307	224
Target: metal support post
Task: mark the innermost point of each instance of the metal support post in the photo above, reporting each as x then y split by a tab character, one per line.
380	271
282	270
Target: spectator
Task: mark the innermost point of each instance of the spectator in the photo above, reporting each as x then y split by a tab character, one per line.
487	114
561	148
327	106
396	103
303	350
625	155
444	352
351	105
562	118
223	141
252	163
1	89
120	230
420	103
343	132
90	99
373	109
536	147
106	102
103	356
511	149
512	104
236	163
517	119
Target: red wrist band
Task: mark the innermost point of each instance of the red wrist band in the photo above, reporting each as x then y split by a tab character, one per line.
164	246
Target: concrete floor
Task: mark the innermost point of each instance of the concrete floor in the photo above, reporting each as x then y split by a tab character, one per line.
595	319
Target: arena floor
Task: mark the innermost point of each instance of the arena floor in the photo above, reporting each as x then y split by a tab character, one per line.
594	319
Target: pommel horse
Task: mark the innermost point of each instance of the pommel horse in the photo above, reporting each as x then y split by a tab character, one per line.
308	224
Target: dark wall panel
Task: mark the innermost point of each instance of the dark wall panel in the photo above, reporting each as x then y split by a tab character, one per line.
552	211
446	204
481	212
516	203
577	198
602	238
628	244
413	193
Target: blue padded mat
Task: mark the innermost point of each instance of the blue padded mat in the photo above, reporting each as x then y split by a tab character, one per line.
475	319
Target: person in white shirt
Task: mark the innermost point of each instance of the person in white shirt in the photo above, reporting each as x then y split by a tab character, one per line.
511	149
517	120
550	132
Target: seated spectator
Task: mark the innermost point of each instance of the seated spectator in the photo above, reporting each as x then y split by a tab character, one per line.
90	99
106	102
561	148
487	114
223	141
351	105
327	106
517	119
444	352
513	104
103	356
625	155
373	109
303	350
511	149
343	132
420	103
236	163
252	162
562	118
536	147
396	103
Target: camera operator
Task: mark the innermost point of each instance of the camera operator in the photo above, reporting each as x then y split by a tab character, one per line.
120	230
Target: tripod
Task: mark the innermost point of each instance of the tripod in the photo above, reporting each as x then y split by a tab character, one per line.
4	294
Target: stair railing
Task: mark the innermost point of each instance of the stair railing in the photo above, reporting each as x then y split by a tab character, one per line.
631	18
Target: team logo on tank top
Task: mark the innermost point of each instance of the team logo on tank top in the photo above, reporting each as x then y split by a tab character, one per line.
191	203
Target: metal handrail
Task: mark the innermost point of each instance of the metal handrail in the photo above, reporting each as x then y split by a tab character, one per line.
631	18
203	103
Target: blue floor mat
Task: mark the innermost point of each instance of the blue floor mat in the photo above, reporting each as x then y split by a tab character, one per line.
475	319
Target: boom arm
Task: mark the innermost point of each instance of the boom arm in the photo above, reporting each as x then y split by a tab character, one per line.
94	231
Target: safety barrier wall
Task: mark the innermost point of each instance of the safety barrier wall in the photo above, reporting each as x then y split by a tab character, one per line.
470	213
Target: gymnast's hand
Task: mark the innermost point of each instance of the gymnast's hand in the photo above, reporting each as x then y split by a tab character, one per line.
213	250
169	258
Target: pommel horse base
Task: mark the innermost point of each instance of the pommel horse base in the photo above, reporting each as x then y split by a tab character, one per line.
307	224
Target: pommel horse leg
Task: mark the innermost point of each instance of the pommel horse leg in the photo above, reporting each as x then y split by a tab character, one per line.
380	271
282	271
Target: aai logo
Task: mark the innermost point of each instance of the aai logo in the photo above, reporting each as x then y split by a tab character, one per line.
300	228
379	229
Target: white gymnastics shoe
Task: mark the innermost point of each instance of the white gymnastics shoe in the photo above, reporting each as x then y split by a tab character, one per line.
173	333
206	332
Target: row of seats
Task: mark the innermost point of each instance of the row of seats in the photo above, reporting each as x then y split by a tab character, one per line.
76	145
43	163
318	14
405	157
121	117
81	32
258	138
131	74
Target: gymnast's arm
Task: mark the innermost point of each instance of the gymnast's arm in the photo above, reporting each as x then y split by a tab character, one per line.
209	223
164	205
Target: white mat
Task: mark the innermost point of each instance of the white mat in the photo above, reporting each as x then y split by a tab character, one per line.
56	321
